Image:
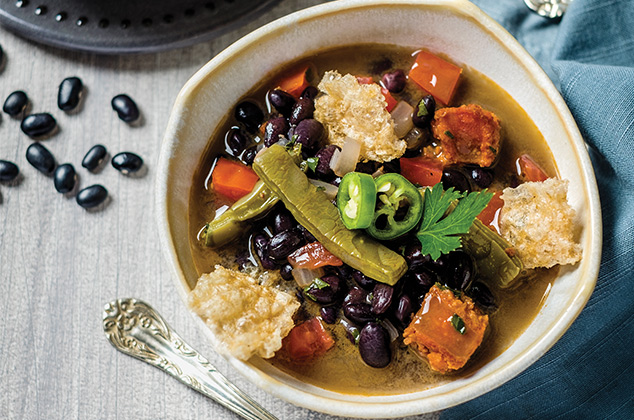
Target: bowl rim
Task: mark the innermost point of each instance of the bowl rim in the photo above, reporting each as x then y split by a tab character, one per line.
373	407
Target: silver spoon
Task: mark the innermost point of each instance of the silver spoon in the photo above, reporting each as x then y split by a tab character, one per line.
136	329
548	8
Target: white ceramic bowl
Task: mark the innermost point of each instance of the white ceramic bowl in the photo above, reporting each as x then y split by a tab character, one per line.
463	32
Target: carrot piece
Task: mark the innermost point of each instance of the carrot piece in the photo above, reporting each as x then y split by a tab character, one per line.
435	75
295	83
489	216
423	171
232	179
313	255
530	169
307	340
446	329
389	99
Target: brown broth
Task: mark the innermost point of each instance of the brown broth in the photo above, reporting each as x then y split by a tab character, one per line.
341	368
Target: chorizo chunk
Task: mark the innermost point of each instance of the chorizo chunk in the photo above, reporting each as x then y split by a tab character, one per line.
467	134
446	330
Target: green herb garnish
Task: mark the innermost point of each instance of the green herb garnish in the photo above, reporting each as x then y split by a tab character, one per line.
493	149
422	109
441	235
449	134
458	324
312	163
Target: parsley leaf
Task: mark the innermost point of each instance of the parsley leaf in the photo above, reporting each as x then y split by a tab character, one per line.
422	109
439	235
312	163
458	324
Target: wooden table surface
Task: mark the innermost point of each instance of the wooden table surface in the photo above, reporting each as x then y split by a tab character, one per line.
59	264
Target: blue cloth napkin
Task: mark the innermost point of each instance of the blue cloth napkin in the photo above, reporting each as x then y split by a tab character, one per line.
589	373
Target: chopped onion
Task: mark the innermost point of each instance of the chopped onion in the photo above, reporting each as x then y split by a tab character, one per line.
345	161
402	116
391	329
414	138
305	276
328	189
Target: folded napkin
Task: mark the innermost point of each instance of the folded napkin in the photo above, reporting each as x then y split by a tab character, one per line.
589	373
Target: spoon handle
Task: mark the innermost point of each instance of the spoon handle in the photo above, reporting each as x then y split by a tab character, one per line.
136	329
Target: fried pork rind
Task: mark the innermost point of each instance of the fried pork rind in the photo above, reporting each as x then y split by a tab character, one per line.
349	109
246	318
433	335
538	221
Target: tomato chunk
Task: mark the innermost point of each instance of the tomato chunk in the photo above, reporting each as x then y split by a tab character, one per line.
489	216
232	179
307	340
295	83
437	76
313	255
423	171
530	170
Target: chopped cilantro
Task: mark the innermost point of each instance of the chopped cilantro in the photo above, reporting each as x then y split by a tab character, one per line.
493	149
458	324
441	235
312	163
449	134
422	109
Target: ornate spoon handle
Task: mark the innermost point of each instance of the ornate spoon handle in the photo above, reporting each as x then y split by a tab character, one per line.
136	329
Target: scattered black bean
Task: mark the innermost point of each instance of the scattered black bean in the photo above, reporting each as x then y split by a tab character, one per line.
453	177
286	271
394	81
250	115
374	345
419	117
284	243
307	235
324	155
125	107
482	177
282	221
327	291
15	103
309	133
249	155
92	196
8	170
94	157
420	282
382	298
302	109
64	178
127	162
310	92
482	296
459	271
235	142
41	158
359	313
368	167
328	314
362	280
281	101
414	256
36	125
274	129
69	93
404	310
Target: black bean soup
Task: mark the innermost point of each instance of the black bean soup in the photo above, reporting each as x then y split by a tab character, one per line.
341	369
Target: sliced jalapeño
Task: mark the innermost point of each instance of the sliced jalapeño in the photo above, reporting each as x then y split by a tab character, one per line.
356	199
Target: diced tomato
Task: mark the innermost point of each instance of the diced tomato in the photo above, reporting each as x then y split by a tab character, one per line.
530	169
435	75
232	179
307	340
489	216
391	102
295	83
423	171
313	255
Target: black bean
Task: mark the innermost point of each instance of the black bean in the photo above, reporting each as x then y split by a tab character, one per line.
249	155
394	81
69	93
41	158
421	281
362	280
249	114
260	243
459	271
94	157
327	291
324	155
344	271
92	196
302	109
384	64
64	178
482	177
482	296
274	129
8	170
284	243
36	125
308	237
310	92
382	298
355	296
125	107
281	101
127	162
235	142
424	111
282	221
374	345
359	313
15	103
309	133
453	177
368	167
404	310
414	257
328	314
352	331
286	271
393	166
